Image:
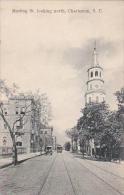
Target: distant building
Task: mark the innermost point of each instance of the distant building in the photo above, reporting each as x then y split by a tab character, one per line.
46	137
54	142
26	129
46	110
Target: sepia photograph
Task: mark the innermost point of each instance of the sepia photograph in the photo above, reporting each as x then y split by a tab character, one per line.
61	97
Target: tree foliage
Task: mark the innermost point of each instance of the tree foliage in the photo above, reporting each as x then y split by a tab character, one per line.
101	125
73	135
67	146
93	120
120	99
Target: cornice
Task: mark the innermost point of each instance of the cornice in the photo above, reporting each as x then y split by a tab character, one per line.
95	80
94	67
95	91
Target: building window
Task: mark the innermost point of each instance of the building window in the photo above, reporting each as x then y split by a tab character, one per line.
41	132
96	73
90	86
45	132
19	124
5	111
91	74
89	99
17	110
5	126
4	140
100	74
96	86
97	99
22	110
18	143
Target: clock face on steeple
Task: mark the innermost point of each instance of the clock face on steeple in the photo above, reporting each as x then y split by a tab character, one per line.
96	86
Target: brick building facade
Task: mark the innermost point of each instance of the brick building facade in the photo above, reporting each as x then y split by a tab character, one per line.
26	129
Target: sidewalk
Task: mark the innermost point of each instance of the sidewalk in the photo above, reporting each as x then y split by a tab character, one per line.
4	162
114	167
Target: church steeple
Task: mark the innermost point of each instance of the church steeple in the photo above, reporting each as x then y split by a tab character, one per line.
95	84
95	56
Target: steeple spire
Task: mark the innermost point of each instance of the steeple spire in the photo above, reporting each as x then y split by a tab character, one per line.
95	59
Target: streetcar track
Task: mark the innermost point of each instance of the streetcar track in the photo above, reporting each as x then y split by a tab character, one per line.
73	188
113	188
46	176
106	171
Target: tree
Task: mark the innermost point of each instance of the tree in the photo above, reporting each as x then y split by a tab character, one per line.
101	125
83	138
120	114
67	146
120	98
73	135
8	93
93	120
110	137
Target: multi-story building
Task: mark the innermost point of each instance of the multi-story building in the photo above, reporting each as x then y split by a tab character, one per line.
23	117
46	137
45	110
54	140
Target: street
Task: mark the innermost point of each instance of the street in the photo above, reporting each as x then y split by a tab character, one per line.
61	174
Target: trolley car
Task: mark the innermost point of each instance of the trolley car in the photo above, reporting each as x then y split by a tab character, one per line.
59	149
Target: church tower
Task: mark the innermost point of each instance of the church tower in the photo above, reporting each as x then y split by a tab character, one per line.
95	84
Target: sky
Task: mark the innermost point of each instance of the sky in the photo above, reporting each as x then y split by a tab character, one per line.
52	51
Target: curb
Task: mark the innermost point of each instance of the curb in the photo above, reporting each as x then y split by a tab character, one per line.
23	160
19	162
5	165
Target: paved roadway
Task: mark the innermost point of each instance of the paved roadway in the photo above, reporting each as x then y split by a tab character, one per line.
60	174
